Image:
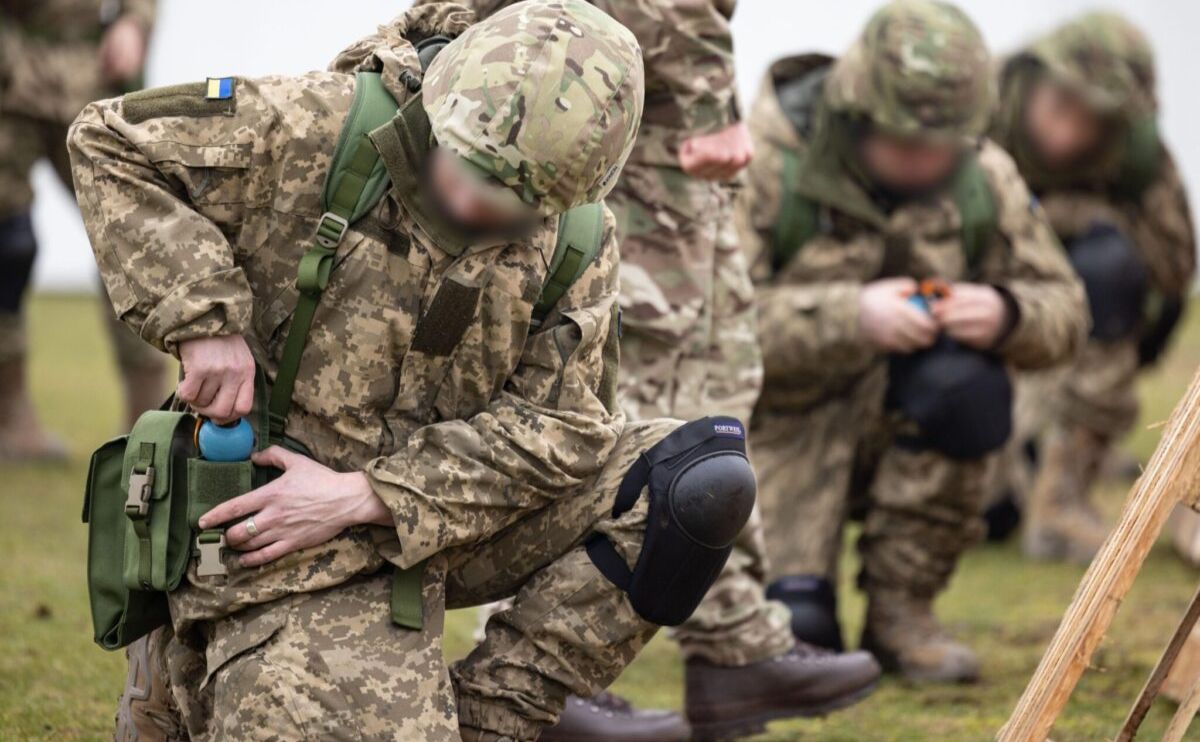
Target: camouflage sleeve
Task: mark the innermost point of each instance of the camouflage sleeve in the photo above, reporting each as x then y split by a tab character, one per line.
688	49
167	265
1162	229
1052	315
143	11
553	426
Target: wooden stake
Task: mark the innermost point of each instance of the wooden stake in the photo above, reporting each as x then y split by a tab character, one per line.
1169	478
1183	716
1154	683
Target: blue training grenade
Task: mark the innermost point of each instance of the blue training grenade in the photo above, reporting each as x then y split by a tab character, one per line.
233	442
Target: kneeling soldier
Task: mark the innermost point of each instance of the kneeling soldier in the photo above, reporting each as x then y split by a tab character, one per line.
902	267
443	372
1078	114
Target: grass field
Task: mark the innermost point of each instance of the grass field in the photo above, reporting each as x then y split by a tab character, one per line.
55	684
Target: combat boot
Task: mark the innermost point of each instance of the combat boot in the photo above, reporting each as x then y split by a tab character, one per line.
608	717
903	634
145	712
1062	523
22	437
732	702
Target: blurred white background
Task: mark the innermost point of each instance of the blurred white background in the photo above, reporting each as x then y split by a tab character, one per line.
195	40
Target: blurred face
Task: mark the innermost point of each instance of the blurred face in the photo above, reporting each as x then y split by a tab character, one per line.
906	164
1060	125
472	203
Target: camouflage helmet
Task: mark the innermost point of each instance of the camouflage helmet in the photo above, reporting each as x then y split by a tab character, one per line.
1106	59
544	97
920	68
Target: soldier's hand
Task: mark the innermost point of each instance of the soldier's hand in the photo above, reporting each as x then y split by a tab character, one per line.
889	322
122	51
717	156
218	377
306	506
974	314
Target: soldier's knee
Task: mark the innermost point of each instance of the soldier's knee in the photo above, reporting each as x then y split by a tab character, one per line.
701	493
18	249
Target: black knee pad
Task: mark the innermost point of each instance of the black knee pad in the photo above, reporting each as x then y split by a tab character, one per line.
1115	279
18	249
813	605
701	491
959	398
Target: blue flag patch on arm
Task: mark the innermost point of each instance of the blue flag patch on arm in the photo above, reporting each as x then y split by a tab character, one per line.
219	88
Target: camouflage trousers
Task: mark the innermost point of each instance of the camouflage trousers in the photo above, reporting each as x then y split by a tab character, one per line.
1011	473
1094	404
332	665
689	349
921	509
23	142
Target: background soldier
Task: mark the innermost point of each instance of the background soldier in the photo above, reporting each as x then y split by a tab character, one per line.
55	57
688	349
1079	115
872	175
445	437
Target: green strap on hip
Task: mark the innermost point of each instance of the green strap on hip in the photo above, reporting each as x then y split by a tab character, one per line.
407	608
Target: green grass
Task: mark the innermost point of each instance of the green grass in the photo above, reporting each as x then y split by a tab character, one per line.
55	684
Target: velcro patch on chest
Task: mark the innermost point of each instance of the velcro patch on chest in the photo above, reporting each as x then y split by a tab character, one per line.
443	325
190	99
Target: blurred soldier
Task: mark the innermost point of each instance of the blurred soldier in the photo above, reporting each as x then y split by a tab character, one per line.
56	56
451	432
1079	115
688	349
872	175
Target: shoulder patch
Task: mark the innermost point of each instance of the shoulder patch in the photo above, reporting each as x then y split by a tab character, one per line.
219	88
191	100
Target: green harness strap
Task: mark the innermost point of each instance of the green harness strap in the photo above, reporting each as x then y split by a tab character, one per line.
798	220
1142	159
580	233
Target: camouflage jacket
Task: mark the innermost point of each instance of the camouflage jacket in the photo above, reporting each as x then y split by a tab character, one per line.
808	308
48	53
420	368
1158	218
687	46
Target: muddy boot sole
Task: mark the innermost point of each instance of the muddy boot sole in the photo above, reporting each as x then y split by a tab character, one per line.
752	718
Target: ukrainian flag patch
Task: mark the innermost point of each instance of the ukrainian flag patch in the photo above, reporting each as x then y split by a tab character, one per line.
219	88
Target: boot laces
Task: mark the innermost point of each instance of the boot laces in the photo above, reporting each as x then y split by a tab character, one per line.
608	701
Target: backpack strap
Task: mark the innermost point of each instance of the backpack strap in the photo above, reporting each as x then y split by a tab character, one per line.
1142	160
977	209
580	232
356	182
797	221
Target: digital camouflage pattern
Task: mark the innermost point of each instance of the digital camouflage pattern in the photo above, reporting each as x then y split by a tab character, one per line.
820	434
920	68
688	343
48	73
468	427
545	98
1093	402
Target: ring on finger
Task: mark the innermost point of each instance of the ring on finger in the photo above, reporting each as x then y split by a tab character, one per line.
250	527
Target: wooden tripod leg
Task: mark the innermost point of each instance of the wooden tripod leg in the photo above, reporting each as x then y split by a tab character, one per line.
1170	478
1183	715
1158	676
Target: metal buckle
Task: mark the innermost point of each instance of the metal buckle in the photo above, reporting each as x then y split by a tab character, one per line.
137	499
210	564
342	224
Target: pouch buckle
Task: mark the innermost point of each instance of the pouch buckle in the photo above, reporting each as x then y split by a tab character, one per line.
209	564
137	499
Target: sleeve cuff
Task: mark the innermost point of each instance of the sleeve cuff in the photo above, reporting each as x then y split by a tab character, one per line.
217	304
418	526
